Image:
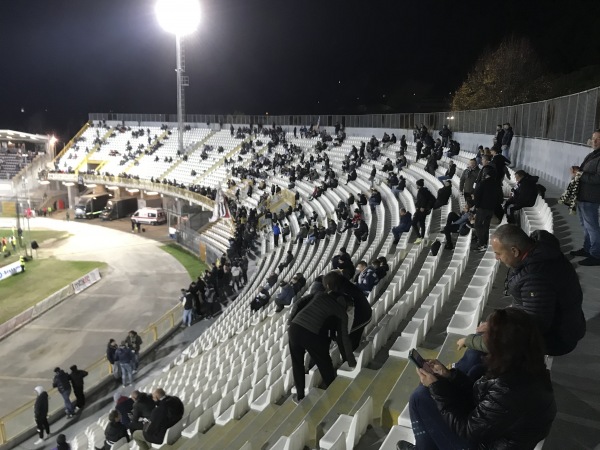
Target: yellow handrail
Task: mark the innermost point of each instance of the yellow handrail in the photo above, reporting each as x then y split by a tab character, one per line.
72	141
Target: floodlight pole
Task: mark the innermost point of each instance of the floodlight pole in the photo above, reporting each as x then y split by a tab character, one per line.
181	83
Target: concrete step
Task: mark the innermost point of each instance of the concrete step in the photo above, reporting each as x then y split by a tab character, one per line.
246	428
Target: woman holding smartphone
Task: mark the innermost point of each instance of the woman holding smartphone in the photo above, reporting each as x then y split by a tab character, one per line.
511	407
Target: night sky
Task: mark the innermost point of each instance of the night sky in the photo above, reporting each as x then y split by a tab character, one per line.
62	59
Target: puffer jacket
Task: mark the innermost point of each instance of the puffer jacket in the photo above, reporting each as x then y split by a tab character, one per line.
367	279
511	411
589	183
525	193
546	286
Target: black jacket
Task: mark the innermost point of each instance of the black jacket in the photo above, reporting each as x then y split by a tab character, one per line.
40	409
467	179
589	183
508	412
113	432
77	377
486	194
159	423
443	195
546	286
142	408
525	193
61	381
425	199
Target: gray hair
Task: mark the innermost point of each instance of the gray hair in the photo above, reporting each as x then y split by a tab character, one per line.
511	235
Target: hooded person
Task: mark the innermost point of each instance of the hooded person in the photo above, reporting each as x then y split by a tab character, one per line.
40	414
61	443
124	405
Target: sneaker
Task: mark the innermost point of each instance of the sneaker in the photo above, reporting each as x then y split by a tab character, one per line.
482	249
580	252
295	399
70	416
40	441
418	240
590	261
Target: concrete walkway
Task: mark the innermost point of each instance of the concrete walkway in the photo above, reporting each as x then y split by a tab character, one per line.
139	285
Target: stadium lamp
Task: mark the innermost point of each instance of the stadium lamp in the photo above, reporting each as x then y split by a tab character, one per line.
179	17
53	140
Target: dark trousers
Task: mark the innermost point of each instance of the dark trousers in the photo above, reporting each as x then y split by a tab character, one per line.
430	430
356	336
483	218
471	364
79	397
449	228
300	341
418	222
41	423
276	240
468	196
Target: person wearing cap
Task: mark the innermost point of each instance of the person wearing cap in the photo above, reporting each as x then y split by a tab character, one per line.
424	202
40	414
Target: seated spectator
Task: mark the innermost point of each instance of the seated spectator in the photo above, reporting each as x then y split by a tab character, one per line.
142	409
331	227
458	224
114	430
271	280
169	410
374	199
432	164
309	317
403	227
383	268
124	405
361	200
511	406
298	281
289	257
524	194
366	278
285	296
443	195
361	231
261	300
449	173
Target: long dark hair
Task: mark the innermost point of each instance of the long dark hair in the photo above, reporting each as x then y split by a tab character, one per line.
514	344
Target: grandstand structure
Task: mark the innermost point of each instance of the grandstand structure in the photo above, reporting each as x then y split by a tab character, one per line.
236	380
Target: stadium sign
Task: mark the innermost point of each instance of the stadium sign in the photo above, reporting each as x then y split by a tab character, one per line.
11	269
86	281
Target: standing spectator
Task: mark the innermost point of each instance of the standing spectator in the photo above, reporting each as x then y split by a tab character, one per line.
125	357
446	134
588	202
423	205
40	414
62	383
187	300
124	405
468	178
486	200
403	227
276	233
111	349
506	140
236	276
76	376
307	320
134	342
498	137
114	430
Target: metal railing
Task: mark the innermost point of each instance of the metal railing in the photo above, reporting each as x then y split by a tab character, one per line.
20	421
570	118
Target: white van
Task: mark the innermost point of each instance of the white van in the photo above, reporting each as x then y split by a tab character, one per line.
150	216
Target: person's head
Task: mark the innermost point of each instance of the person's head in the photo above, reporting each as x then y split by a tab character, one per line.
402	211
514	344
472	163
506	126
112	343
485	160
511	244
342	250
114	416
376	263
57	370
498	127
158	394
73	368
134	395
333	281
519	175
123	343
420	183
362	265
596	139
61	439
494	150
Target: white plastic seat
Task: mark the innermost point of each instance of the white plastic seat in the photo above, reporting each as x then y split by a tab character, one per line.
355	426
172	435
296	441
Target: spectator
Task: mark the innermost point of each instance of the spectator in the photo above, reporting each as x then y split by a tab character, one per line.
61	443
261	300
285	296
289	257
76	376
498	136
383	268
443	195
468	179
486	200
308	318
276	233
40	414
63	385
449	173
142	409
446	134
111	349
298	281
424	203
506	140
512	406
169	410
524	194
432	164
366	278
458	224
236	276
361	231
403	227
124	405
124	356
374	199
114	430
588	200
187	300
134	342
271	280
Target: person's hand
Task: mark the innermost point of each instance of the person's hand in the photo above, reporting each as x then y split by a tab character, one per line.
461	343
482	328
425	377
438	368
422	209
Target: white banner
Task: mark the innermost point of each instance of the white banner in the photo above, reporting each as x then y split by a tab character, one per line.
11	269
86	281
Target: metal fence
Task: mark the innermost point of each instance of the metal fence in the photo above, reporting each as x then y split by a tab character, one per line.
569	119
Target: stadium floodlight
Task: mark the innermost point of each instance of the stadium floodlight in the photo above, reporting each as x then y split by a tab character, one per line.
179	17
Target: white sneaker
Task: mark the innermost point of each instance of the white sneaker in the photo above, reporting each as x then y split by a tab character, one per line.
418	240
40	441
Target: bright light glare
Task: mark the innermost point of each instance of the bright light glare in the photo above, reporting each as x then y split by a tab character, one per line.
179	17
53	140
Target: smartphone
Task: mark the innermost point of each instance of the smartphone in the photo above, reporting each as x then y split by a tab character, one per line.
416	358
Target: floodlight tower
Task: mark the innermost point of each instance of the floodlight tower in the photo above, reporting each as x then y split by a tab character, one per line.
179	17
